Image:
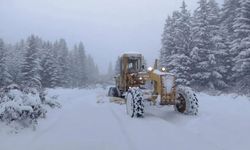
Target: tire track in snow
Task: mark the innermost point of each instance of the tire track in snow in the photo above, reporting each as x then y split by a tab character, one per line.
200	137
49	127
156	116
122	128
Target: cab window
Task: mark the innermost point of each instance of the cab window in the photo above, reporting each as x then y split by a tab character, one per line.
133	65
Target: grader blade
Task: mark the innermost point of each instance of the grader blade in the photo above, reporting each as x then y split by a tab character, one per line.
117	100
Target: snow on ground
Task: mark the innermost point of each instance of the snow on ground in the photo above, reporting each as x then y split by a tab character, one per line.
82	123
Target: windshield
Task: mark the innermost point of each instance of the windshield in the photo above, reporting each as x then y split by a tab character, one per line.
134	65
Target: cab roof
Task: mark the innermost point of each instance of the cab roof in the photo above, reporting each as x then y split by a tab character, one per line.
131	54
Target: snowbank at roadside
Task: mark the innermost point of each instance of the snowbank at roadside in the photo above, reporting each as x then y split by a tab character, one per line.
22	107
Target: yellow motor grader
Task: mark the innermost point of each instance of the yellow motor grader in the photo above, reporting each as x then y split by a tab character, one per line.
138	85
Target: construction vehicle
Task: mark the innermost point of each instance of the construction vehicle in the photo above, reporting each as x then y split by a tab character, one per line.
138	85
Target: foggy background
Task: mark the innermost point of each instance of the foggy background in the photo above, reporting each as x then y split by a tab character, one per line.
106	27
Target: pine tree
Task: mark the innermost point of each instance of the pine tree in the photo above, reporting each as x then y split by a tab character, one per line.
61	55
49	72
92	73
204	74
168	44
213	14
241	47
218	47
5	77
35	63
15	60
73	67
181	60
228	17
81	63
183	29
31	65
177	43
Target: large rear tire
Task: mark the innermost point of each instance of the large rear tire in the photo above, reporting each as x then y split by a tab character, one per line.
134	102
187	102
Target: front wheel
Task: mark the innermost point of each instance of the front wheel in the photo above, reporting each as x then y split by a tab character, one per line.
187	101
134	102
114	92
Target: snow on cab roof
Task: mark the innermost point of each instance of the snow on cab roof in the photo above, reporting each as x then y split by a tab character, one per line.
131	54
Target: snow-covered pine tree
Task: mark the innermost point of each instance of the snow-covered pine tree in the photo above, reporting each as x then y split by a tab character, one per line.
228	16
204	74
61	54
5	77
213	15
180	61
183	31
168	44
241	47
35	63
218	47
81	63
223	61
73	71
49	72
92	73
31	65
15	60
176	45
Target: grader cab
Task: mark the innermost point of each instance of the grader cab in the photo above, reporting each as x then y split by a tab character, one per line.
139	85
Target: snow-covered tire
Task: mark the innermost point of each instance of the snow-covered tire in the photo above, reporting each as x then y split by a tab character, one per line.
134	102
187	101
113	92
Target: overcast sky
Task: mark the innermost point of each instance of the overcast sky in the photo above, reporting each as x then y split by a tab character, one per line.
106	27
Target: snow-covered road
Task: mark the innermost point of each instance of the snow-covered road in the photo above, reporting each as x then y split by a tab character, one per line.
222	124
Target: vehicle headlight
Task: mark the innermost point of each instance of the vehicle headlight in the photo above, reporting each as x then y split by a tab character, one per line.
150	68
140	78
163	69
